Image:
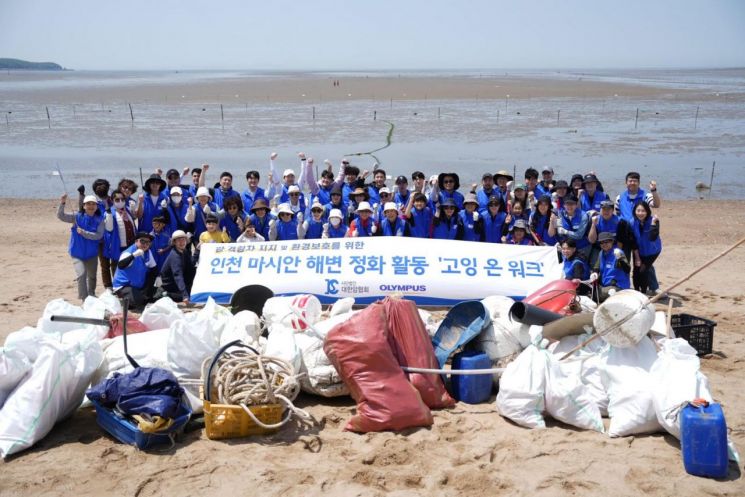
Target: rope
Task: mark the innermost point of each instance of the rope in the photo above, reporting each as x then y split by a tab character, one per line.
453	371
243	378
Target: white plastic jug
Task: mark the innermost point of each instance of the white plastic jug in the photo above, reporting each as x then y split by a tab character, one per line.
296	312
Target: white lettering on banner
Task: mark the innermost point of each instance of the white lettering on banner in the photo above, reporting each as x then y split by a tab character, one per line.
430	272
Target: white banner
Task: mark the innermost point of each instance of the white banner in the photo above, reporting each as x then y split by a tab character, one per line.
430	272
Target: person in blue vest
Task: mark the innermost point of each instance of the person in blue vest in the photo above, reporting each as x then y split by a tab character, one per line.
234	219
473	226
514	214
177	273
199	210
385	196
101	190
561	190
502	178
575	224
175	213
646	229
261	217
363	223
336	202
608	222
151	202
285	227
173	180
418	215
626	200
542	222
312	228
320	190
531	182
612	268
520	195
493	220
252	192
86	231
335	227
351	180
356	197
546	186
225	189
120	230
161	244
402	193
575	267
447	188
373	189
391	224
296	200
196	173
485	192
575	184
518	234
136	272
589	196
446	223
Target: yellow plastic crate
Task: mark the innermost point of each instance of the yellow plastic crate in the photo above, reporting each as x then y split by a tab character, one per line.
228	421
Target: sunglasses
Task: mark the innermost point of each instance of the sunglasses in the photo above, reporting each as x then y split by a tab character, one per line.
294	194
145	241
316	210
448	181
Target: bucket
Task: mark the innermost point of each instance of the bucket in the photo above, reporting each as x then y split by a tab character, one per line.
624	318
703	440
296	312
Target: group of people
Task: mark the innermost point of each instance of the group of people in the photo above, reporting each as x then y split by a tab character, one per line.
158	233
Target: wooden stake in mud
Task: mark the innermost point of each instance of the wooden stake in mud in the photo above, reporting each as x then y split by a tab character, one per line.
314	112
711	180
695	119
222	117
375	115
663	292
49	119
636	121
558	113
131	115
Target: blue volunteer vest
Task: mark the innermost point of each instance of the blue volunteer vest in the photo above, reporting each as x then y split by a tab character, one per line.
587	204
249	198
541	229
338	232
626	204
365	230
149	211
287	230
569	265
176	217
446	229
642	233
573	224
397	228
261	224
199	218
80	247
135	274
422	222
607	226
315	229
493	227
231	225
609	271
469	227
162	240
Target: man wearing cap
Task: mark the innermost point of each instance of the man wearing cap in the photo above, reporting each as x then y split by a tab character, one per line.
402	194
574	224
173	180
391	224
612	267
363	223
378	209
136	272
608	222
253	191
151	202
590	197
501	178
296	201
177	274
486	191
546	186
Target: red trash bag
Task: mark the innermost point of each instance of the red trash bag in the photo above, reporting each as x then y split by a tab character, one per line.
412	346
134	325
359	350
554	297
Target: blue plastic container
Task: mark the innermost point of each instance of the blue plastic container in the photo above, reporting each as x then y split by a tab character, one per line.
471	389
703	440
463	322
127	432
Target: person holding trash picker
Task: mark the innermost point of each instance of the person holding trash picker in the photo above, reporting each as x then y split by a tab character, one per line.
136	273
86	231
612	267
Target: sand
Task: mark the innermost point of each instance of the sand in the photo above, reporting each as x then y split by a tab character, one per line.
470	449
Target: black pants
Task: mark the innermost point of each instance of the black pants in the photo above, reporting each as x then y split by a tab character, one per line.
641	274
138	297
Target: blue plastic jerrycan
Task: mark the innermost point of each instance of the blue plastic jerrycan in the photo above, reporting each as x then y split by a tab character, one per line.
703	439
471	389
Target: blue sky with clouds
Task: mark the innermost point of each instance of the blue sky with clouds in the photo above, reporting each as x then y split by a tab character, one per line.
381	34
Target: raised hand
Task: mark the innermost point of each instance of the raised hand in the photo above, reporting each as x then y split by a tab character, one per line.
273	156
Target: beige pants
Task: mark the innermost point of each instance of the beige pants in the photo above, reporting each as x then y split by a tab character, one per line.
85	274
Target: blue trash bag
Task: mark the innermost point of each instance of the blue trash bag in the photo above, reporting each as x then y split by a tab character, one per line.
463	322
152	391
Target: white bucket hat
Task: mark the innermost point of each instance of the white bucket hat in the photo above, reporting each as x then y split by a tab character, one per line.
203	191
179	234
335	213
364	206
390	206
285	209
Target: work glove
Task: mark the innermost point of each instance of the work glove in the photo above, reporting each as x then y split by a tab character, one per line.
300	217
81	189
561	231
593	277
207	209
138	253
374	229
619	253
475	216
164	204
272	223
355	234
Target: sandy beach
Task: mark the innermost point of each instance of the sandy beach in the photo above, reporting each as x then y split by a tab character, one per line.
470	449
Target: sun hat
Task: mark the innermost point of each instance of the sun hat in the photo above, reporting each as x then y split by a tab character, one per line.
503	174
90	198
390	206
335	213
288	172
203	191
364	206
176	190
606	235
155	178
260	203
179	234
285	209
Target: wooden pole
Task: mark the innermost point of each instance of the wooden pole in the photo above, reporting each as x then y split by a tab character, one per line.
391	102
711	180
558	113
669	321
636	121
497	116
663	292
49	119
131	114
695	119
314	112
222	117
375	115
438	113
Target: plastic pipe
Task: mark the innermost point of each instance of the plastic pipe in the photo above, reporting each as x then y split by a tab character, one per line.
532	314
567	325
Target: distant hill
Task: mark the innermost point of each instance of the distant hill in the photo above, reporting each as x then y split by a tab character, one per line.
24	64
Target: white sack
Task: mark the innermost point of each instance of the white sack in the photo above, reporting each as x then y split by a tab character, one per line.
26	340
341	306
627	380
94	309
111	302
321	378
568	399
13	367
522	388
192	339
52	391
161	314
244	326
281	343
586	363
295	312
149	349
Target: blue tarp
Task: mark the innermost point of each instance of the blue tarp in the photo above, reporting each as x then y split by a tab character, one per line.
152	391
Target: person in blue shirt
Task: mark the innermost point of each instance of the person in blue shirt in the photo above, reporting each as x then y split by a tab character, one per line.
363	223
561	190
136	272
493	220
335	227
175	213
611	269
286	226
86	231
356	198
448	185
546	186
589	196
385	196
519	234
418	215
575	267
101	190
543	222
392	224
531	183
575	224
473	226
151	202
234	219
252	192
447	225
402	194
261	217
646	229
312	228
608	222
486	191
161	244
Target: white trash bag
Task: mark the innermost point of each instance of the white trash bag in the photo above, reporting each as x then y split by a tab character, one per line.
281	343
522	389
13	367
321	378
192	339
244	326
161	314
60	307
26	340
568	399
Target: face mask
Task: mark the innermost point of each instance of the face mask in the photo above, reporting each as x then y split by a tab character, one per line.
119	204
335	222
176	200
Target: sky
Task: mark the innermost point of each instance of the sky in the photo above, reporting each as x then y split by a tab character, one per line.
374	35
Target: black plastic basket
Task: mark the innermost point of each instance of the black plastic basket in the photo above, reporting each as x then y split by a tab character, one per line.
698	332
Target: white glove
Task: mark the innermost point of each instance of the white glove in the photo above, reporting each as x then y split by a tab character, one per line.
163	204
593	277
475	216
374	229
272	223
355	234
138	253
375	207
207	209
561	230
619	253
300	217
350	209
326	228
611	292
